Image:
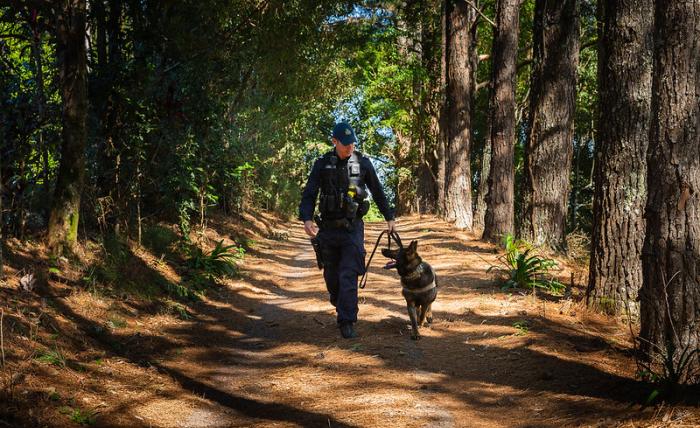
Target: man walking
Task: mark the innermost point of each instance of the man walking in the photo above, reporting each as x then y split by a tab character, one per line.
342	176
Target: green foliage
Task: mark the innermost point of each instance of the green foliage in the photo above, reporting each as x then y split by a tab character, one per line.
115	322
51	356
670	368
120	272
177	309
221	261
79	416
525	270
373	215
158	239
184	116
522	327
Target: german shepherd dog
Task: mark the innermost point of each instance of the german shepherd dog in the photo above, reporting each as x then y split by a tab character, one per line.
419	284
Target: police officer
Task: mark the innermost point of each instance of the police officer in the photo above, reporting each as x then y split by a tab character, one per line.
342	176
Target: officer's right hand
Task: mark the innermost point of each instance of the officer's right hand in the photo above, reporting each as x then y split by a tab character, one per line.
310	228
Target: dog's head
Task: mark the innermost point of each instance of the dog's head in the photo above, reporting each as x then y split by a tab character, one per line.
405	259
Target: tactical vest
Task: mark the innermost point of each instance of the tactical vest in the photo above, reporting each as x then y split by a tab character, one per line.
343	188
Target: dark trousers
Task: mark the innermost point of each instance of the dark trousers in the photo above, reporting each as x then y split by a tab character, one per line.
344	260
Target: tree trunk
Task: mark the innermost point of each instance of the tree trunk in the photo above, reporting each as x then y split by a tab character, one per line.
427	187
625	74
70	32
461	63
2	223
442	116
551	123
500	200
426	192
482	192
406	140
405	191
101	34
670	294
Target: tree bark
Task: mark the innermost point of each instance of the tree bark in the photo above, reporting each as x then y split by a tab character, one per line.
70	32
549	149
406	185
101	34
625	74
426	191
461	63
483	190
500	199
441	148
427	187
2	223
670	294
405	190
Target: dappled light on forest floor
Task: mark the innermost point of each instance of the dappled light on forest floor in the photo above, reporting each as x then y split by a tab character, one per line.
491	358
263	349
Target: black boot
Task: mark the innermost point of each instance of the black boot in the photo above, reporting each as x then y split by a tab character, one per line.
347	331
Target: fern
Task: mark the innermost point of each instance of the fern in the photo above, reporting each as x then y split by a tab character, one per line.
526	270
221	261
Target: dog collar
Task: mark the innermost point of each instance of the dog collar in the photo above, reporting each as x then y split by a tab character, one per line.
420	290
415	274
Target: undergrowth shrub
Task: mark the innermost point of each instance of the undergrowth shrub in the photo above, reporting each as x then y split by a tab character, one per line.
120	271
526	270
159	239
672	367
219	262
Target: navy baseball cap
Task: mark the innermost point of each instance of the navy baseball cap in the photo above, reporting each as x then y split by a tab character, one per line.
343	132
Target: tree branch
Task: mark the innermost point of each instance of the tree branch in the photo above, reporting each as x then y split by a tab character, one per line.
589	44
523	63
480	12
13	36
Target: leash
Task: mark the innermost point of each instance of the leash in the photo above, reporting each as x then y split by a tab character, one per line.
390	235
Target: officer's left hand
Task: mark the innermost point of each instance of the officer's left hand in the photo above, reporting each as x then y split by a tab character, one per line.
390	226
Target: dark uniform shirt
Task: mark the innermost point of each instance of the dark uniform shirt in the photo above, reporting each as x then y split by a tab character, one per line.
308	197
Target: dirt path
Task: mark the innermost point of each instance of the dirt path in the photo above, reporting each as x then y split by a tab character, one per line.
265	351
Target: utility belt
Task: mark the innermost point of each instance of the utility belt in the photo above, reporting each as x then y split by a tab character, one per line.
337	224
331	224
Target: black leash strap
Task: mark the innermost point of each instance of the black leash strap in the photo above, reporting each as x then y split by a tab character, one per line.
392	234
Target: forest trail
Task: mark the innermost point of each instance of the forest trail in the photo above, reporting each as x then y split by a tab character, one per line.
265	350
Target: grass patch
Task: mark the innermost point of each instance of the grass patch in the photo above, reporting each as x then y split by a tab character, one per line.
79	416
177	309
114	322
121	272
51	356
522	328
160	240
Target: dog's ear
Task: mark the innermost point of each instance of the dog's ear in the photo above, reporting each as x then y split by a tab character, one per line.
412	246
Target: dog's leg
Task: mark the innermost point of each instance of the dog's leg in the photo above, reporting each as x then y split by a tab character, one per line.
429	313
414	322
423	312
